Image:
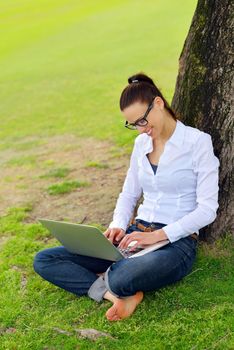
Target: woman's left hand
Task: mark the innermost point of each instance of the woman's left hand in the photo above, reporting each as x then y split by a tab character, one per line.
142	238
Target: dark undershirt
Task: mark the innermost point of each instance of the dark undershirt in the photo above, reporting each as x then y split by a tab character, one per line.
154	167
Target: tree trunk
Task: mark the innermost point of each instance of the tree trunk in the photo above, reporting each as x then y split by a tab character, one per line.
204	96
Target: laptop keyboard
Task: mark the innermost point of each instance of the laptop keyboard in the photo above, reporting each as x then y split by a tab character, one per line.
126	251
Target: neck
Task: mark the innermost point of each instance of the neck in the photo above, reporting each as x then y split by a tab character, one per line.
167	130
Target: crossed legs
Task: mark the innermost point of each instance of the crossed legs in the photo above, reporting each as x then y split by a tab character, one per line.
122	282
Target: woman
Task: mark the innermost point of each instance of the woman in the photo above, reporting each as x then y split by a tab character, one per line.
175	168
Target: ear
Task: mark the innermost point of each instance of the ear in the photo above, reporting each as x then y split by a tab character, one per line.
158	101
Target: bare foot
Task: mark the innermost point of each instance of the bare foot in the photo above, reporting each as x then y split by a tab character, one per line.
123	308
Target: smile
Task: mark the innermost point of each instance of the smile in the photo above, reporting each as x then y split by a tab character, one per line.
149	132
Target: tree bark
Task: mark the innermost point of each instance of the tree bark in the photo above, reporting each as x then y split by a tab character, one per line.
203	96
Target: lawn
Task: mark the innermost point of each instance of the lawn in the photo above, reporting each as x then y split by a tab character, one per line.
63	146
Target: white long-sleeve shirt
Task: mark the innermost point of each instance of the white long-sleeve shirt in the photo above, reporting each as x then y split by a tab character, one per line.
183	194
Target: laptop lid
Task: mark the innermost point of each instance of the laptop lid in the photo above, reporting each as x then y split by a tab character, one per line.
82	239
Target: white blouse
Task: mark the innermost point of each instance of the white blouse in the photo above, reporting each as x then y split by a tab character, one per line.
183	194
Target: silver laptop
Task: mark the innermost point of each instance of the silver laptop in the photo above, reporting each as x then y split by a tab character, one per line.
89	240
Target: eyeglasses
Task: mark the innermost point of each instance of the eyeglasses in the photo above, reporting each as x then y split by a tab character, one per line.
142	121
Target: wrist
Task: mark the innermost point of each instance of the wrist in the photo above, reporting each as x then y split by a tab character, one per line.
160	235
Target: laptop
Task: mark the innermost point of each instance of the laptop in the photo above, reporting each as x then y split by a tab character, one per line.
90	241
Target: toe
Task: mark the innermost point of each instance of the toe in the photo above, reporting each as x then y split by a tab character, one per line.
111	313
114	318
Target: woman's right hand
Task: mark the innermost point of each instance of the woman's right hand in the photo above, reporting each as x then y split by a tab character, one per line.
114	234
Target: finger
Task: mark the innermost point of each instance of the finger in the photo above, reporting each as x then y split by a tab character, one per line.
109	230
134	247
106	233
119	236
129	238
125	241
121	244
112	235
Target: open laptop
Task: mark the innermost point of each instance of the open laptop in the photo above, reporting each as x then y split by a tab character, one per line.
89	240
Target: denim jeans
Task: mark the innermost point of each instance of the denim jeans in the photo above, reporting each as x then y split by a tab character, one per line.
78	273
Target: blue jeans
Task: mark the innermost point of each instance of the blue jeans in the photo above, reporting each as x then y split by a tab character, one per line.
78	273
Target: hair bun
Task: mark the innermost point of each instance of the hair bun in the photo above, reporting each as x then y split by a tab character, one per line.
133	80
140	78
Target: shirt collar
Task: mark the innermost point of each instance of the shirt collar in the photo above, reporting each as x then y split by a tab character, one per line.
176	138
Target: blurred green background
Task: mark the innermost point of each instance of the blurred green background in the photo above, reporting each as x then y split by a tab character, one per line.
65	63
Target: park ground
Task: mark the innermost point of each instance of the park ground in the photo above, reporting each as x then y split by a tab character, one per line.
64	154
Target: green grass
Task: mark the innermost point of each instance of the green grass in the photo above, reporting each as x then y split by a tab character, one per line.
65	187
12	179
63	67
49	162
57	173
27	145
99	165
28	160
195	313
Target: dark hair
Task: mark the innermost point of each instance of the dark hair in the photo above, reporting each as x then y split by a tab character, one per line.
142	88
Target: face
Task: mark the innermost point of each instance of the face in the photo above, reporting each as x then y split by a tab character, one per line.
155	117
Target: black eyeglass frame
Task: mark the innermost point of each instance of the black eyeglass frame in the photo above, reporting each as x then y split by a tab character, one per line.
133	126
